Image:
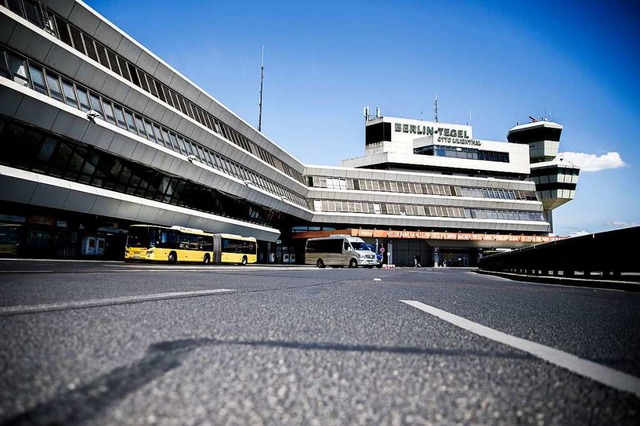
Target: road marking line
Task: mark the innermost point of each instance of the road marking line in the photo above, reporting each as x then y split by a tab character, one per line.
14	310
599	373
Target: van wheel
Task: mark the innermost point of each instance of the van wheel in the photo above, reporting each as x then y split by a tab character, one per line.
173	257
244	260
353	263
207	259
320	263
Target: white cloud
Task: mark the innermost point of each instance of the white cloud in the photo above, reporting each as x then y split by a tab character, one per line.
618	224
592	162
578	234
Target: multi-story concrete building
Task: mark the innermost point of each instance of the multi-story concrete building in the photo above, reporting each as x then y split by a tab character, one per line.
98	133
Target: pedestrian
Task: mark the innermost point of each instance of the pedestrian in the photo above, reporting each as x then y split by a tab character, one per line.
416	261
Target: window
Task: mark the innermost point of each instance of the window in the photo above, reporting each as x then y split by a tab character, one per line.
91	49
18	69
41	161
54	87
89	167
158	134
183	105
108	111
207	120
83	97
149	128
152	86
174	142
175	97
63	29
165	138
114	62
95	103
4	67
190	112
143	81
16	7
140	126
102	55
59	161
232	169
207	157
37	79
191	149
200	153
69	94
120	120
183	149
225	165
134	74
160	91
167	93
76	36
130	122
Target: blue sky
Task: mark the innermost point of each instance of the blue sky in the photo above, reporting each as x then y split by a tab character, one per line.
494	63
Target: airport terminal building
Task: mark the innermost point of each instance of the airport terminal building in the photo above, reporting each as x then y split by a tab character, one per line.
98	134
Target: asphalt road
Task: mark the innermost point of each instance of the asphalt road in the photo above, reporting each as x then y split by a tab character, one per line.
108	343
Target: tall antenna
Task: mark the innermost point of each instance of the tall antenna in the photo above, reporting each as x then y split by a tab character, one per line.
261	86
435	108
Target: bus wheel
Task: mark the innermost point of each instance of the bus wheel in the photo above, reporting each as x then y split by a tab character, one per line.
353	263
173	258
244	260
320	263
207	259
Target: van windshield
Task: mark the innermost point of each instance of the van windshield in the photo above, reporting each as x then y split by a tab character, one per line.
360	246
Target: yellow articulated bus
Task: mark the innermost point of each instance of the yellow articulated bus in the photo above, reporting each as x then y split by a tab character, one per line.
179	244
236	249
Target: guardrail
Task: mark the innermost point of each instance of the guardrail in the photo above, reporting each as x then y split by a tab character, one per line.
610	255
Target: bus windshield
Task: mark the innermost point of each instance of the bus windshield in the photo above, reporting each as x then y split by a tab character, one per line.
139	237
360	246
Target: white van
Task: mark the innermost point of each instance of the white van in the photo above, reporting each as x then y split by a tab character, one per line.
339	251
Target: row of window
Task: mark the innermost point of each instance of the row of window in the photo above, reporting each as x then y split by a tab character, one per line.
462	152
30	74
31	149
497	194
88	46
419	188
559	170
333	206
238	246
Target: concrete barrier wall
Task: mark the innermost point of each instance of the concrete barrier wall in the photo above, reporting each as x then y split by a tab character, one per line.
606	255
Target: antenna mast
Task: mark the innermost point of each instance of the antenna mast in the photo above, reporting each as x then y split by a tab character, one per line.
261	86
435	108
